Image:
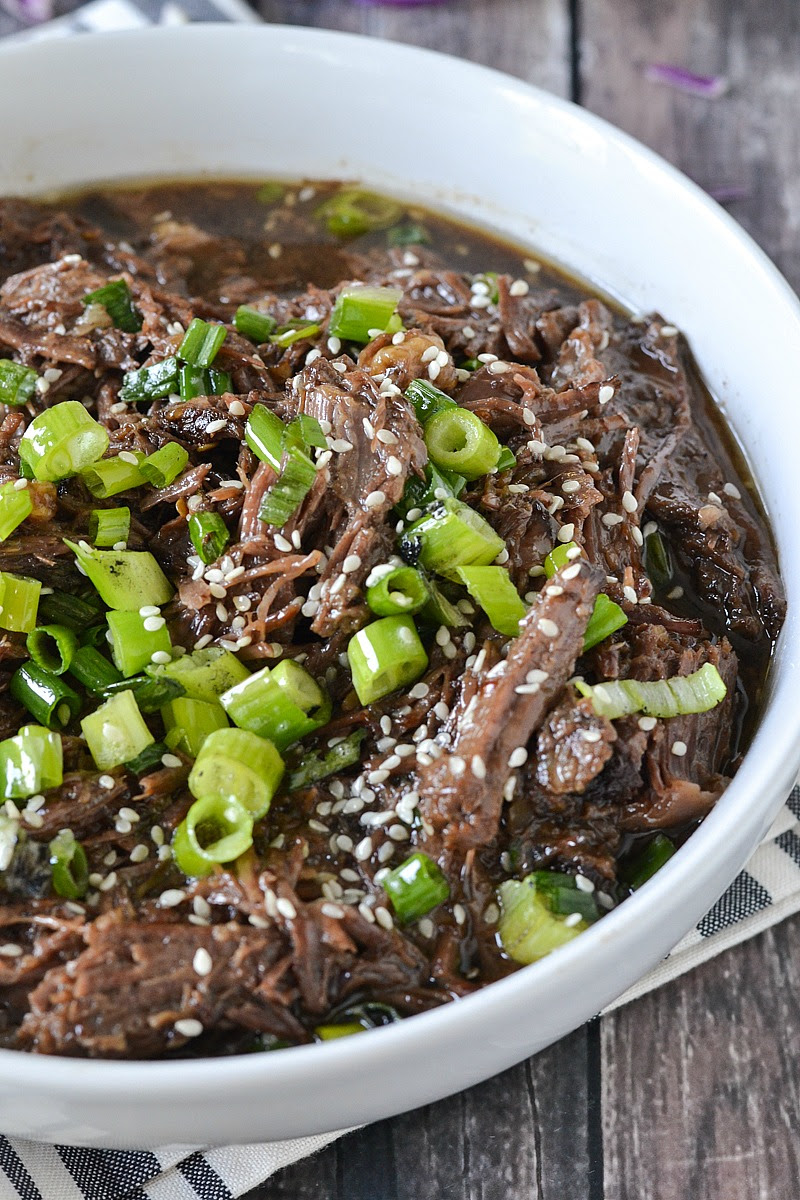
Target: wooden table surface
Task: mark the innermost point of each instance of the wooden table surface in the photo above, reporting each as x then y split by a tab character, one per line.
691	1093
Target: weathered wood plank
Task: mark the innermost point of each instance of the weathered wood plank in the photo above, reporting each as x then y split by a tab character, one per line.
700	1084
749	139
531	40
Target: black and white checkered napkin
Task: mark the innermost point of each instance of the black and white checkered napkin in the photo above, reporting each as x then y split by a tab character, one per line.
766	892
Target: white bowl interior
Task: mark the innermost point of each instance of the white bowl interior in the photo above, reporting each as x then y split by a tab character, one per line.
502	154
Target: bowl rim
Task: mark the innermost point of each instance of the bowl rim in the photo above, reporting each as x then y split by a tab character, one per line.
770	764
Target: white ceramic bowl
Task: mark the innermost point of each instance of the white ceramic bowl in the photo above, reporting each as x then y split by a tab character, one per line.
261	102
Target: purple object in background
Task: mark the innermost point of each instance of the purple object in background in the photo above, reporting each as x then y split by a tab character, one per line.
710	86
399	3
31	11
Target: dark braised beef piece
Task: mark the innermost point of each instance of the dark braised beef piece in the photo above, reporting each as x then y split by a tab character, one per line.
492	763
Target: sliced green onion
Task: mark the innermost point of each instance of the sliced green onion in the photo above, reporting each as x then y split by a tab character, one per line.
492	588
328	1033
352	212
506	461
117	300
201	343
562	896
607	617
151	383
304	432
361	309
560	556
150	694
283	704
528	928
15	506
411	234
384	656
440	610
116	733
459	441
194	720
316	766
109	526
19	602
453	535
93	670
415	887
202	381
235	764
77	612
658	560
17	383
68	866
209	535
126	579
52	647
263	433
682	694
147	760
111	476
427	400
215	830
136	639
399	590
50	700
61	441
435	485
294	331
204	674
165	465
254	324
30	762
643	866
288	492
270	193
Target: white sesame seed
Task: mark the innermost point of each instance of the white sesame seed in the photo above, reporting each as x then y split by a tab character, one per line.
548	627
518	757
236	408
386	851
679	749
188	1027
286	908
215	426
363	850
171	898
668	331
106	781
478	767
566	533
646	723
630	594
419	691
139	853
605	394
629	502
675	594
519	288
426	927
332	910
351	563
153	624
591	735
394	466
109	882
610	519
170	760
570	485
384	917
730	489
9	950
459	913
375	499
202	961
572	920
636	534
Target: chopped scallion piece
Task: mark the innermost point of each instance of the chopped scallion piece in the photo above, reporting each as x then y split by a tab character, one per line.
283	704
254	324
643	865
352	212
427	400
110	476
61	441
150	383
77	612
93	670
19	602
328	1033
506	461
165	465
126	579
193	720
454	535
492	588
560	556
17	383
290	490
658	560
202	381
151	694
399	590
47	697
264	435
416	887
147	760
30	762
458	440
360	309
214	831
489	278
607	617
682	694
117	300
68	866
270	193
52	647
435	485
209	535
528	928
316	766
384	656
109	526
205	674
135	639
15	507
116	733
440	610
411	234
235	764
294	331
201	343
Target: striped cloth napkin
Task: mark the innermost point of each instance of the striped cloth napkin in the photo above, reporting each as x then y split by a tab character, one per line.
766	892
